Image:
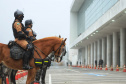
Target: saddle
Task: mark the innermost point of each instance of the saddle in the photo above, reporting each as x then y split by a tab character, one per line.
16	52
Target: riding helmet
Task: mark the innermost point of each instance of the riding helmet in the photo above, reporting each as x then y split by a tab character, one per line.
28	22
18	13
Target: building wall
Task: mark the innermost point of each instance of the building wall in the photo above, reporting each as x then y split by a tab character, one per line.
96	16
91	11
82	17
73	56
113	11
73	28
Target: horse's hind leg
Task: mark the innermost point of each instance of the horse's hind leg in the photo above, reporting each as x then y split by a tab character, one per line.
0	69
12	76
9	76
31	75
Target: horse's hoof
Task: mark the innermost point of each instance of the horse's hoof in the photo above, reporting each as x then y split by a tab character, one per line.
43	83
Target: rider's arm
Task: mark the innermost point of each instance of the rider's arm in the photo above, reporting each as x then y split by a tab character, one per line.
18	27
29	30
30	34
34	34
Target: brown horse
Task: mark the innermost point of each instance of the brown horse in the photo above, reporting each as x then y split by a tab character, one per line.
46	45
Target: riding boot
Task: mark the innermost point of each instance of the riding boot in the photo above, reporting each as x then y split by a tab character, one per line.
26	60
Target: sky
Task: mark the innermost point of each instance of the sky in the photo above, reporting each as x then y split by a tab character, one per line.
50	17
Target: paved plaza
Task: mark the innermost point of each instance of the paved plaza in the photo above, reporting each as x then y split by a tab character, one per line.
75	75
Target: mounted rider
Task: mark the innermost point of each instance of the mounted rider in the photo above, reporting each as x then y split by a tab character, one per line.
31	35
20	38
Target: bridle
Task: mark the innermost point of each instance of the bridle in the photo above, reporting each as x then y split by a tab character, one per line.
53	55
57	56
59	48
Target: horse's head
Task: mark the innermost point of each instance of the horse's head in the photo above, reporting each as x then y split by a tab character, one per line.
60	50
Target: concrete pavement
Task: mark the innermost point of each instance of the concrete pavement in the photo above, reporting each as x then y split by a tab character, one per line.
75	75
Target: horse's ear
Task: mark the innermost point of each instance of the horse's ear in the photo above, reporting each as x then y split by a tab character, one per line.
59	36
65	39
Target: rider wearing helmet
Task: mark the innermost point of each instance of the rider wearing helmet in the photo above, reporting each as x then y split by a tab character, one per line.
20	38
31	36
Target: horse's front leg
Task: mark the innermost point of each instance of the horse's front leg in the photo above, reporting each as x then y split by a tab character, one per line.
10	76
38	74
31	76
43	74
4	80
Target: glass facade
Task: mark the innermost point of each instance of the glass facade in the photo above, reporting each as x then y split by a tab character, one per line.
92	10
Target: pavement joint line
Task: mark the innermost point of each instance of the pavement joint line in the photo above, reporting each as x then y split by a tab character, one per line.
94	74
73	70
50	82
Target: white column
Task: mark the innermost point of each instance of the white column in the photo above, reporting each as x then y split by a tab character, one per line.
78	57
89	55
95	52
99	50
86	56
83	56
104	51
109	50
122	47
92	54
115	49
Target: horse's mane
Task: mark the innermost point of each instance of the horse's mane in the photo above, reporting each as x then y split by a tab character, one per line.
48	38
39	40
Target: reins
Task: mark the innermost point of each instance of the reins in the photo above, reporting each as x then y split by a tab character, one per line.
40	51
37	53
43	52
60	46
